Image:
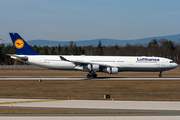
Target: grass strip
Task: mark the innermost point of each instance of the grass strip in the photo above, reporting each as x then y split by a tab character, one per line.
92	90
29	111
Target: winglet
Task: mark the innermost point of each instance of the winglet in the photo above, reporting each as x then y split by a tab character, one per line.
22	48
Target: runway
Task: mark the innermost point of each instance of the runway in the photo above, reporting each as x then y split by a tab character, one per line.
84	78
135	109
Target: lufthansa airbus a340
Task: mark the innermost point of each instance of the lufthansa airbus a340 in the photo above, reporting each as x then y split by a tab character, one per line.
91	64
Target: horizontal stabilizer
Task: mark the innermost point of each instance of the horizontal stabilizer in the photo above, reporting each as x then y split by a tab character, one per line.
22	58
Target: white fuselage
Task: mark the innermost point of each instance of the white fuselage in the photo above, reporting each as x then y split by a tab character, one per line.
123	63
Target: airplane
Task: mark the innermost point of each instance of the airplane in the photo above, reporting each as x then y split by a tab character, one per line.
91	64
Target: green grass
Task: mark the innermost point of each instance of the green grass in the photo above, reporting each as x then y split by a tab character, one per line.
29	111
92	89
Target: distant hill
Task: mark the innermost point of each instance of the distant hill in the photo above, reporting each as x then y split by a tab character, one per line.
104	41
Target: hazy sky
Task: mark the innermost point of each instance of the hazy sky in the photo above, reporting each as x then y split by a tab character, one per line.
89	19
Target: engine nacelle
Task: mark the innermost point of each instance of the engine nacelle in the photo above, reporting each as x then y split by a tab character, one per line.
91	67
111	70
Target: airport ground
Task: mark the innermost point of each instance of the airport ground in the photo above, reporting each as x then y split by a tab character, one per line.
119	90
90	89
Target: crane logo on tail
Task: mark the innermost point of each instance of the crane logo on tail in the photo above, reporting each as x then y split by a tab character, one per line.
19	43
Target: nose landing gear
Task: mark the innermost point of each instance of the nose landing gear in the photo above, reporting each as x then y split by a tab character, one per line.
160	74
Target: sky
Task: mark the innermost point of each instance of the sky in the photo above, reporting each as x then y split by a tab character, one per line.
72	20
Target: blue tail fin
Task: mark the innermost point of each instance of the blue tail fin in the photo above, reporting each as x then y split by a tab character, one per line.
22	48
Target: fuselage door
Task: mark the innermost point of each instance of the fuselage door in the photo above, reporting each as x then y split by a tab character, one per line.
130	61
162	62
41	60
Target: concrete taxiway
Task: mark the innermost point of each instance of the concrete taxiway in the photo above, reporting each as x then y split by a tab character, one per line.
84	78
138	109
96	104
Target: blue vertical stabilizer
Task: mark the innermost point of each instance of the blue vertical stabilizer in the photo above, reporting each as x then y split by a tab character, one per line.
22	48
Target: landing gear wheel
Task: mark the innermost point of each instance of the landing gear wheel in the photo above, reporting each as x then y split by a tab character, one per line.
160	75
92	75
95	75
88	76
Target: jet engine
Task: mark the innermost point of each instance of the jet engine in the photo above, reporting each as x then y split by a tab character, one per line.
91	67
111	70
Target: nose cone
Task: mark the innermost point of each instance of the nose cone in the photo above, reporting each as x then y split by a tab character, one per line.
176	65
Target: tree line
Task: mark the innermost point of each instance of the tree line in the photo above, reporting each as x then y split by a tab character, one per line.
156	47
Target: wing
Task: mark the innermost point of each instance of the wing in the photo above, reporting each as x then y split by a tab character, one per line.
81	63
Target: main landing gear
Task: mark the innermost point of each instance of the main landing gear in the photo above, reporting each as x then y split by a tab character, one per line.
160	74
92	74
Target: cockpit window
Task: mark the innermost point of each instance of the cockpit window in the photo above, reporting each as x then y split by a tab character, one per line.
171	61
